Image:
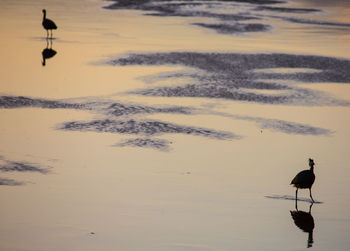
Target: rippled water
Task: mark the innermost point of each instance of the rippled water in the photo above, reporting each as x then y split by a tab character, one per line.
174	125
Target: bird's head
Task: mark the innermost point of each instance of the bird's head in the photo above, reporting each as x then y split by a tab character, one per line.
44	11
311	162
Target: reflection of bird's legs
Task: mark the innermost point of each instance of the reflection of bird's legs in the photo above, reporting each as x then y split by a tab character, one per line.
310	240
311	196
310	207
296	199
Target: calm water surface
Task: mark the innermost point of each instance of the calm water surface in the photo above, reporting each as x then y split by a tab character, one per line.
174	127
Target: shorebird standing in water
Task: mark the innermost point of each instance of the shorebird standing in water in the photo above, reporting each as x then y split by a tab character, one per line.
48	24
304	179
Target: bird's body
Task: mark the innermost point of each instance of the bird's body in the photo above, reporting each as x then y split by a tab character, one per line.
304	179
48	24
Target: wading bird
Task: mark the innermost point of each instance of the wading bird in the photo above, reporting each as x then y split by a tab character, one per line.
48	24
304	179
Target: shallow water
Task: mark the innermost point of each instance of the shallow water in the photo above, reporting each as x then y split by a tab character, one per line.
172	126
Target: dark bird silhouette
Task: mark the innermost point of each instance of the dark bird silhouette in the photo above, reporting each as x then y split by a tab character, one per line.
304	179
305	222
48	52
48	24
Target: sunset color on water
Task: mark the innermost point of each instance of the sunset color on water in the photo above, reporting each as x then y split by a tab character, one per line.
174	125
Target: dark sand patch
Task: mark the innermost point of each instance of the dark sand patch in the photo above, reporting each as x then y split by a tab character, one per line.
207	14
144	128
278	125
315	22
168	6
205	9
10	182
20	101
15	166
153	143
256	1
225	17
212	10
234	64
232	76
119	109
287	10
154	78
290	127
235	28
212	91
310	21
21	167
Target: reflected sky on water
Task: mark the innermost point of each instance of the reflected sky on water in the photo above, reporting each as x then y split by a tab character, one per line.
170	125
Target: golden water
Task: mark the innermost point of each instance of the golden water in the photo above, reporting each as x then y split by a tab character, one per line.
203	194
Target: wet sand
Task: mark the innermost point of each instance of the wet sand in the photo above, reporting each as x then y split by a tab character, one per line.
174	125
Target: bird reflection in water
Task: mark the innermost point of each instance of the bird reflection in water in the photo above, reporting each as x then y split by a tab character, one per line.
48	52
305	222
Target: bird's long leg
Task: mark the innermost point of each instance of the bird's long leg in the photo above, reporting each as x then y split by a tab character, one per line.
47	33
311	195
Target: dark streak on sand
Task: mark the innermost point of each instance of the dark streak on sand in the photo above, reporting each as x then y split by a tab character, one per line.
235	28
148	5
12	166
310	21
280	125
157	144
10	182
143	127
16	166
287	10
119	109
290	127
20	101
